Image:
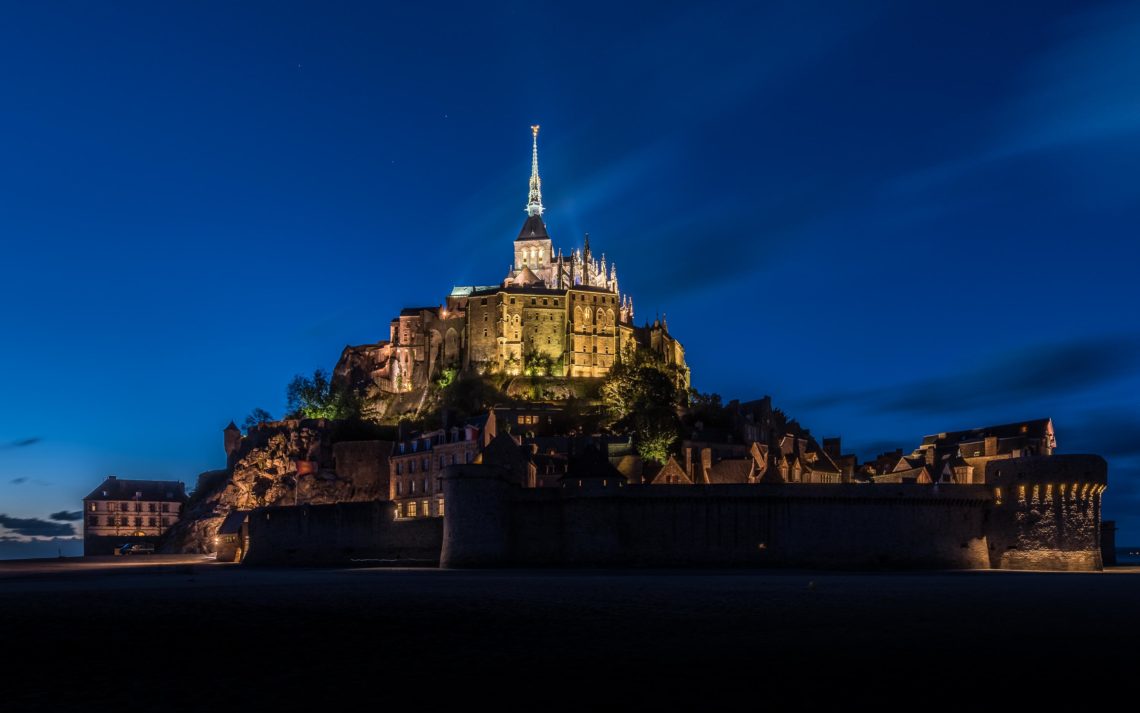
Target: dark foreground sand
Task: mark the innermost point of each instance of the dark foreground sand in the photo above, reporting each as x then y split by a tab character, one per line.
194	635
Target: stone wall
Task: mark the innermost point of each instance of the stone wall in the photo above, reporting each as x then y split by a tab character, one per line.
342	533
1047	511
365	465
490	522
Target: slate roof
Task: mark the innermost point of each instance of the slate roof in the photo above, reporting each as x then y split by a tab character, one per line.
1037	428
533	229
149	490
526	277
729	470
591	464
233	522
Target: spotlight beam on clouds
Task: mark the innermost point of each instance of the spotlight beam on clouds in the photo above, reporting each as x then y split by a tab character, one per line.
1023	375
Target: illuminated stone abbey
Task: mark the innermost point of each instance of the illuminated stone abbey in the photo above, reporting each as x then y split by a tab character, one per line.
553	314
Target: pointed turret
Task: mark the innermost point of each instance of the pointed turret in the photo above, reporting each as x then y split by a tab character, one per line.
534	202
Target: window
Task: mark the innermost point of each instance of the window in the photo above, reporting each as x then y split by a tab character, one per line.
165	521
92	507
484	332
413	484
153	521
93	520
483	301
165	507
412	509
412	466
399	469
512	300
399	488
110	522
467	457
138	507
544	302
441	507
427	510
425	487
426	464
556	302
150	507
138	522
442	462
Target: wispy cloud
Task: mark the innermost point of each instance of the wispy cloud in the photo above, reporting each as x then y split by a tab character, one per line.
35	527
1082	91
22	443
1023	375
19	481
67	515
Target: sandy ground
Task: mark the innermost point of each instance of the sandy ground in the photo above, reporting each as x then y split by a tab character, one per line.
185	633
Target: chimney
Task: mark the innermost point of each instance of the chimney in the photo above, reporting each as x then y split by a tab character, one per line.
991	445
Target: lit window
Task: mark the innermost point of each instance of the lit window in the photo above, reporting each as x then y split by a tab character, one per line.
92	508
413	484
441	507
412	509
427	509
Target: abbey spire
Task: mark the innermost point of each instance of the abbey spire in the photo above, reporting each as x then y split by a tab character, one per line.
534	202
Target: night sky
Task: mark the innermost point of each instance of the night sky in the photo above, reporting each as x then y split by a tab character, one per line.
896	220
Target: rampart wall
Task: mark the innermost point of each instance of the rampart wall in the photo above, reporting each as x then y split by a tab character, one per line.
341	533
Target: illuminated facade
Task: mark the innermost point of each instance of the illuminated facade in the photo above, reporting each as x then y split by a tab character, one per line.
553	314
119	511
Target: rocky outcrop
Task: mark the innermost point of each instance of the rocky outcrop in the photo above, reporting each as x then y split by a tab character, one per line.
280	463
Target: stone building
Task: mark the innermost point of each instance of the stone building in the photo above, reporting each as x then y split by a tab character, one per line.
416	465
961	456
553	314
121	511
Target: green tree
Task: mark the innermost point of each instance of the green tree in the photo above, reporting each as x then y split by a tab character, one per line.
316	397
641	396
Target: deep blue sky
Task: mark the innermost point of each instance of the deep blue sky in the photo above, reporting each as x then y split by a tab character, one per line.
894	219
